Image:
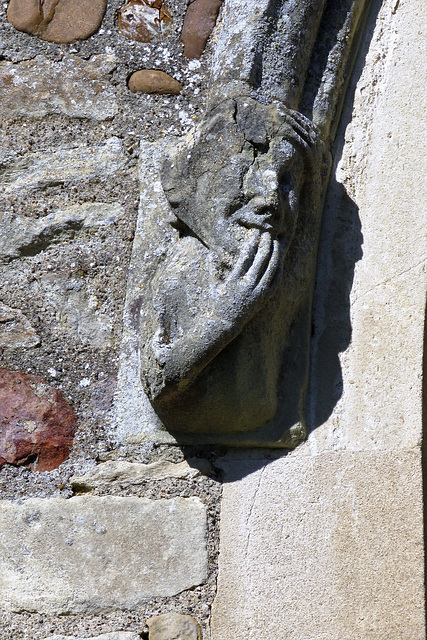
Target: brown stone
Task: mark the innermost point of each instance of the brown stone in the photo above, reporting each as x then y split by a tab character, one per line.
37	426
153	81
59	21
174	626
15	330
145	20
199	21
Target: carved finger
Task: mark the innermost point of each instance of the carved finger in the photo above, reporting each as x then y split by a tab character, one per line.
246	256
272	274
261	260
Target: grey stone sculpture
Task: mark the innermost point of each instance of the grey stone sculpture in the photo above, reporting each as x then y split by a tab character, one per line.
245	188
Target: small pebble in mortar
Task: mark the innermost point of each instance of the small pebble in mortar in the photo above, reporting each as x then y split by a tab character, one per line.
153	81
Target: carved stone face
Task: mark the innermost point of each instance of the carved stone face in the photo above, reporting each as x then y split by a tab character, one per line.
243	167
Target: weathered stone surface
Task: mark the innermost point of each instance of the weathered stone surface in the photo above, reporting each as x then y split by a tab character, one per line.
39	170
26	236
59	21
15	330
76	308
72	86
114	635
133	418
145	20
324	547
174	626
220	302
199	21
153	81
90	554
120	471
36	424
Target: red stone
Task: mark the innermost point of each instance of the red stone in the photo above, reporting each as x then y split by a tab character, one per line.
199	21
37	426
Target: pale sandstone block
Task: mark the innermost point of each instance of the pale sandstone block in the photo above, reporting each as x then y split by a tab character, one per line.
39	170
90	554
123	472
115	635
323	548
174	626
72	86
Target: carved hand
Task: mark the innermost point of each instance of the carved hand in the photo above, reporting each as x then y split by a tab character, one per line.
253	278
231	305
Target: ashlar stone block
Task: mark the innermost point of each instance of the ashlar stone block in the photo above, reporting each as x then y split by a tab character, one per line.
91	554
114	635
322	548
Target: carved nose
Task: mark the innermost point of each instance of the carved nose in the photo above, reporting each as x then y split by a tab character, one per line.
263	189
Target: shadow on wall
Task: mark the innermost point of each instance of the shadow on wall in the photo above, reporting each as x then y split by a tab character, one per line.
340	248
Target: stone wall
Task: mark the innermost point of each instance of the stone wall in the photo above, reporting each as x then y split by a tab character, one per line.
325	542
115	534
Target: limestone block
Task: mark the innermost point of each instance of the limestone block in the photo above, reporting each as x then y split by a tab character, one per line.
174	626
115	635
23	236
72	86
39	170
90	554
120	471
321	548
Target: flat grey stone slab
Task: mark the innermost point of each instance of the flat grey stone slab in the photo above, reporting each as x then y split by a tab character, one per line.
24	234
40	170
91	554
72	86
127	473
114	635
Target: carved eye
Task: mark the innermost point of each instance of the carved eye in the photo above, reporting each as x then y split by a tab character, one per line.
285	184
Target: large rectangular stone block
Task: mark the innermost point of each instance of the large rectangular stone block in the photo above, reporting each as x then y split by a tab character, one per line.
91	554
322	548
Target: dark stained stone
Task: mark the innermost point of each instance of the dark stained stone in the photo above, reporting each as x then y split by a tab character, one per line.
153	81
59	21
37	426
198	23
145	20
